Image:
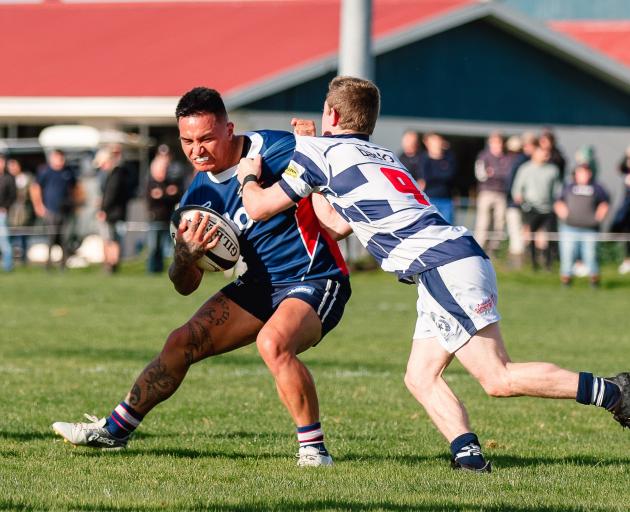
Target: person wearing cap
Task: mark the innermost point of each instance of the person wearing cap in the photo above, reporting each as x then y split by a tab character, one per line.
581	207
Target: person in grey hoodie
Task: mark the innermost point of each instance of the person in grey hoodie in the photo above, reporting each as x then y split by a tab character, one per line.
534	189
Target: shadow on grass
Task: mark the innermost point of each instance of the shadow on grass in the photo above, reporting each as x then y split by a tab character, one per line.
508	461
97	353
498	461
315	505
181	453
26	435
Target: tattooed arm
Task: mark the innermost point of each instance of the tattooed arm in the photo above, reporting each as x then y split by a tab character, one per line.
191	242
183	273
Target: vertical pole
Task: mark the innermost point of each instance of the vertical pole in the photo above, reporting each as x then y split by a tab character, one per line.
355	39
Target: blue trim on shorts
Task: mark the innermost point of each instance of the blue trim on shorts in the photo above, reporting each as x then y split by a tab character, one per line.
261	298
433	282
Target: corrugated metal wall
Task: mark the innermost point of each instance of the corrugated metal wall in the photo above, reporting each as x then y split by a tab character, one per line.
478	72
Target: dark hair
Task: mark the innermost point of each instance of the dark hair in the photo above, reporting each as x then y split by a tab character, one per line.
200	100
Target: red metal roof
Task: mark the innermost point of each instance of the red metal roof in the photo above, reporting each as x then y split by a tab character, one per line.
609	37
163	49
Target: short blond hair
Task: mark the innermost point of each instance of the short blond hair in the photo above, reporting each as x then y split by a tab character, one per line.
357	101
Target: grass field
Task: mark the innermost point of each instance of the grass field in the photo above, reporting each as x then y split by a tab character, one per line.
74	343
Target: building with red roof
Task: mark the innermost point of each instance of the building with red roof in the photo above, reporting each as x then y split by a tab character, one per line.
462	67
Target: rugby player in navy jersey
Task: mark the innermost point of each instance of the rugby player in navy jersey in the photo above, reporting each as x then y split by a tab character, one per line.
371	193
292	294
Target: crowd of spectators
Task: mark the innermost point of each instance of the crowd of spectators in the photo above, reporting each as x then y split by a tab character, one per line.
42	206
523	187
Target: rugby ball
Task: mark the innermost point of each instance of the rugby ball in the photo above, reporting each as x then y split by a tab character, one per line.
225	255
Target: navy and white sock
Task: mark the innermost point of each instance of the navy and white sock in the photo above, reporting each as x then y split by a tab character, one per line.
123	420
312	435
466	451
597	391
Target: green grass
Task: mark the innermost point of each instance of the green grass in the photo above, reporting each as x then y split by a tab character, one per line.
74	343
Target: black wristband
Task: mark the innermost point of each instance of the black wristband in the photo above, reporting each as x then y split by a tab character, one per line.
246	180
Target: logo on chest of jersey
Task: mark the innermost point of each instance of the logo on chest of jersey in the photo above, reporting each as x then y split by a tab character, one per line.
376	155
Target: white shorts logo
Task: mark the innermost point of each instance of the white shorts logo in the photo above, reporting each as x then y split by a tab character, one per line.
302	289
443	325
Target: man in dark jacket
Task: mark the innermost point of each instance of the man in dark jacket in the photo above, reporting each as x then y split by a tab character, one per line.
410	155
7	198
438	171
164	190
113	210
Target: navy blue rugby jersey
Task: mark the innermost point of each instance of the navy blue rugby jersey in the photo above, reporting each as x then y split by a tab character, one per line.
290	246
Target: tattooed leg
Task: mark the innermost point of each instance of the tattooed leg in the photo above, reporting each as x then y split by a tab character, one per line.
218	326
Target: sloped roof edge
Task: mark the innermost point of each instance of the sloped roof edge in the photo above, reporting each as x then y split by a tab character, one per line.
514	21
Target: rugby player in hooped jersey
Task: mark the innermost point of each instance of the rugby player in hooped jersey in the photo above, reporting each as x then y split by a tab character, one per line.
371	193
292	294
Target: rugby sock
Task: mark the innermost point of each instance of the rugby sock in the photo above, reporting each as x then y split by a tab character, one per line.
597	391
312	435
467	451
123	420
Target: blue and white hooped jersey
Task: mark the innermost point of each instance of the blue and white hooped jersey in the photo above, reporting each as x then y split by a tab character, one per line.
369	187
288	247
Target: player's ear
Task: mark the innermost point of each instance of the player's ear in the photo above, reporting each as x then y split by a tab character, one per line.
230	128
336	118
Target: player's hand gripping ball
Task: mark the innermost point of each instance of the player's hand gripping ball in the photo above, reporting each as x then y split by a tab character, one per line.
227	251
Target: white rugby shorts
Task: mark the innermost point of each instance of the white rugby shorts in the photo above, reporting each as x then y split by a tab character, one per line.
455	301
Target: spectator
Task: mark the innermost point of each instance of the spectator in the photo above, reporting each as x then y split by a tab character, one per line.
21	214
130	172
520	150
437	174
547	140
492	170
581	207
7	198
113	210
621	222
534	187
164	190
52	194
410	156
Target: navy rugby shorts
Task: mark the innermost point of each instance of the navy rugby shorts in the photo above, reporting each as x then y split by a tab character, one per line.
261	298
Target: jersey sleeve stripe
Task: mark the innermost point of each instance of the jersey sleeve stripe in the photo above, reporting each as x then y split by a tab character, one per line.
293	195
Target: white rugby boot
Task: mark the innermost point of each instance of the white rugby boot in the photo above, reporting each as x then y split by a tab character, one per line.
92	434
309	456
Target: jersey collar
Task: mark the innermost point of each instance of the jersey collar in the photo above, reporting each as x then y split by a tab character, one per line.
361	136
254	149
